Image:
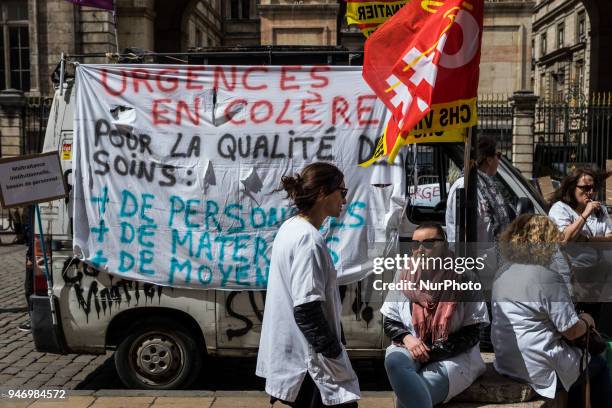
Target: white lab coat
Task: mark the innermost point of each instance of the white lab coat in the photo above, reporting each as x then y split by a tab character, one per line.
581	255
464	368
301	271
531	307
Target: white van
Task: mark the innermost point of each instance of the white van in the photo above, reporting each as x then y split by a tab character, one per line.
160	334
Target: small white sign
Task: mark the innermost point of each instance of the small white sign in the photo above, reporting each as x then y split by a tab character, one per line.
31	179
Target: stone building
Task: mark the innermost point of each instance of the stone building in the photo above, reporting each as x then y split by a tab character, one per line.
36	32
561	55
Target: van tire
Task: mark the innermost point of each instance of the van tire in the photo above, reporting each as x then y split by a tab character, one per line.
158	354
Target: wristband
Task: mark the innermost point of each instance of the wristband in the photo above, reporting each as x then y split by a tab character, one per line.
582	216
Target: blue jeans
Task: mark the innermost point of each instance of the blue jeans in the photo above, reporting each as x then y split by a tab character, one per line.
414	384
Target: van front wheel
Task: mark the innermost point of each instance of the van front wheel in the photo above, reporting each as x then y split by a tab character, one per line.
158	355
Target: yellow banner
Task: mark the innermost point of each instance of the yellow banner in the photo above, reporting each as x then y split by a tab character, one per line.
450	136
450	116
368	15
445	123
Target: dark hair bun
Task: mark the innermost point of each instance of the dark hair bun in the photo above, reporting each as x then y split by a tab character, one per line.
292	185
316	178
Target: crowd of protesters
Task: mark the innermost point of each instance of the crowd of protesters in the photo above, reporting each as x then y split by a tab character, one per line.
538	335
537	328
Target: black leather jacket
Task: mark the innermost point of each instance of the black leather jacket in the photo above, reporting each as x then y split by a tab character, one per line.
456	343
312	323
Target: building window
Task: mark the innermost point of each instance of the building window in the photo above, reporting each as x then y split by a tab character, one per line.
198	38
240	9
543	45
558	90
14	45
581	26
561	35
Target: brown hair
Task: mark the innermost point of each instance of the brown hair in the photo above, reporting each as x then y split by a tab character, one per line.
530	239
566	192
304	188
487	147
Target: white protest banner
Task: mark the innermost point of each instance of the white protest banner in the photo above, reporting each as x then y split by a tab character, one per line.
177	168
30	179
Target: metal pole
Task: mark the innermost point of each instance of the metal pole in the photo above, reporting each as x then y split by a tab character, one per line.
42	245
62	66
47	272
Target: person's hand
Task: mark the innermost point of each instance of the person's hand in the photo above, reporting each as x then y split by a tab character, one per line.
423	298
588	319
418	350
591	207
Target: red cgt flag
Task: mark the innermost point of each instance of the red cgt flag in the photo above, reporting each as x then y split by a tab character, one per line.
423	64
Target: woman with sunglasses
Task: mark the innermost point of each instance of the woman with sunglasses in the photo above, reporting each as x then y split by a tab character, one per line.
300	352
577	213
435	352
584	223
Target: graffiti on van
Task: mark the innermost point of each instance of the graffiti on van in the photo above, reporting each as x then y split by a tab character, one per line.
104	298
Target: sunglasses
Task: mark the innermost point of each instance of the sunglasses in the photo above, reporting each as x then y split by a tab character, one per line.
587	187
426	243
343	191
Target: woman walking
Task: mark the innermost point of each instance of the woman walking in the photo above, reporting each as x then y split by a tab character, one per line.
300	352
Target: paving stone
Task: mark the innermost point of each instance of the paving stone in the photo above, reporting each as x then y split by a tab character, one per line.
48	358
125	402
377	402
36	367
69	402
24	361
71	385
26	374
185	402
42	377
6	403
14	382
56	382
11	370
241	402
84	358
5	377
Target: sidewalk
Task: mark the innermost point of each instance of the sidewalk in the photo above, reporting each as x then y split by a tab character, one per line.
176	399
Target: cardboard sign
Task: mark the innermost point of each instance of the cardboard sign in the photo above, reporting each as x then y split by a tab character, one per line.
31	179
546	188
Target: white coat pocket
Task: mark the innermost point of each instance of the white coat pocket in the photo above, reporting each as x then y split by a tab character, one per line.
333	369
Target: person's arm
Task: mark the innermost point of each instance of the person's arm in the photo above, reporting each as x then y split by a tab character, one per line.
394	330
573	231
456	343
312	323
579	328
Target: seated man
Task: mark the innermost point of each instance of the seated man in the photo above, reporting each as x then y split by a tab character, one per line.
435	352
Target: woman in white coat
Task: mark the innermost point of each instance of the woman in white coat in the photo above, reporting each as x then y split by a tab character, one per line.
534	319
435	352
300	352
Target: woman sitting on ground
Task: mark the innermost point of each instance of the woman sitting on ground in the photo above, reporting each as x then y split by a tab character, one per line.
435	352
534	318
